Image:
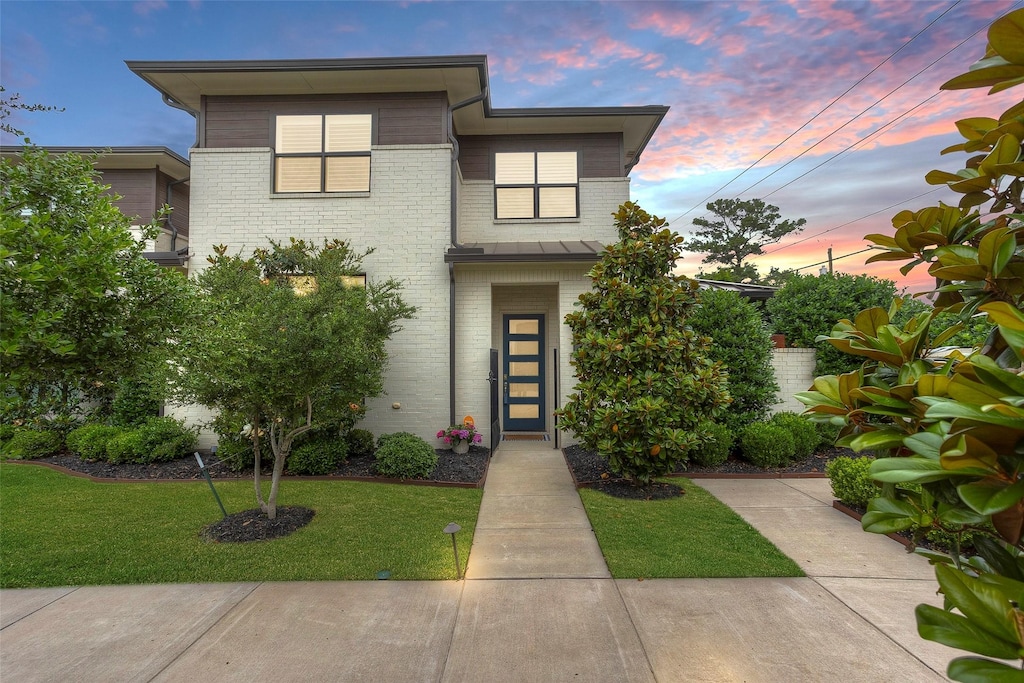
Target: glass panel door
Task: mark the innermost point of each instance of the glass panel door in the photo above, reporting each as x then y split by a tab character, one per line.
523	339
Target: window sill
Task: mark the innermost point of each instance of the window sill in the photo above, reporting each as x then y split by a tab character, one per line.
510	221
317	195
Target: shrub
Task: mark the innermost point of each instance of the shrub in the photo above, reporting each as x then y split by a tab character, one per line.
716	449
159	439
318	456
360	443
740	340
851	483
766	445
810	305
135	401
828	433
805	435
405	456
29	444
89	442
7	432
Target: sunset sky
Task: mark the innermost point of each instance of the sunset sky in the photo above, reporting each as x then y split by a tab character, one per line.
740	79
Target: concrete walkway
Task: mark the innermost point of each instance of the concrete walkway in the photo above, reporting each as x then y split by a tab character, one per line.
535	607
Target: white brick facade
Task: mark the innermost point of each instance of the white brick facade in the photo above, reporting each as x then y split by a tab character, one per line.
405	216
794	371
599	199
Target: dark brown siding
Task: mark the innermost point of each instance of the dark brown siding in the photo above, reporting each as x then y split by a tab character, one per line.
178	201
137	189
399	119
601	153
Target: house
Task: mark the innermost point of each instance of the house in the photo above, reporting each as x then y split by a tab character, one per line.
145	179
490	217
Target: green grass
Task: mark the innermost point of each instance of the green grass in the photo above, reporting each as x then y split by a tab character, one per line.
691	536
57	530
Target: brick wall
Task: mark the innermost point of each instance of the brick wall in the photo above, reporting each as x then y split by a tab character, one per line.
599	199
794	371
404	216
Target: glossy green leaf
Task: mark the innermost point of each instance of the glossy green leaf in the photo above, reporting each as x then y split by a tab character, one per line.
990	76
957	631
1006	36
983	604
991	495
882	439
1002	561
978	670
913	469
886	516
1006	151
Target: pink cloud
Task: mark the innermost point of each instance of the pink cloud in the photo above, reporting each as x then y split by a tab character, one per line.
147	7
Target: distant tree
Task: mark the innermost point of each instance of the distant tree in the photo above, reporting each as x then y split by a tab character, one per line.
10	103
742	343
81	308
748	272
809	306
645	383
740	229
286	335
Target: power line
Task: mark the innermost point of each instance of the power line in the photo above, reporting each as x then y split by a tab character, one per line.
822	111
848	147
834	258
843	225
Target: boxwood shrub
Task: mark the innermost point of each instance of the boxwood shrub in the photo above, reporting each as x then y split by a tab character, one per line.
766	444
29	444
405	456
850	481
318	456
89	442
805	435
716	449
360	443
158	439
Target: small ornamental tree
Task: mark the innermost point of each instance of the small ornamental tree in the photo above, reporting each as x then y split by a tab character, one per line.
645	382
740	340
954	428
288	335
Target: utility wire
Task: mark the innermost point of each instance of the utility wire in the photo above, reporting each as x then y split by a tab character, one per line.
834	258
848	147
855	220
822	111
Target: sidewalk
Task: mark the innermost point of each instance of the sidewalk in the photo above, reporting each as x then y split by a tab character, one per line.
536	606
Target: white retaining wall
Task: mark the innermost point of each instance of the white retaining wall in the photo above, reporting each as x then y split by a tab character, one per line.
794	371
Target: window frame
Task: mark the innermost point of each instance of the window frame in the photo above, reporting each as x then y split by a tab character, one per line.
322	155
537	186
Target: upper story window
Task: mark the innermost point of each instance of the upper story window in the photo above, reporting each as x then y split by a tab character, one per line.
322	153
536	185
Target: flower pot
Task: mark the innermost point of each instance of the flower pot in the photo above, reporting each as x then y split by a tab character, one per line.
779	340
461	446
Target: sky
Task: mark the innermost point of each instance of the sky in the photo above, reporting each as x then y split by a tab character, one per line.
829	110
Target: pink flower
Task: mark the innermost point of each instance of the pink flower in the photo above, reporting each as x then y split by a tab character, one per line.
477	438
447	439
440	434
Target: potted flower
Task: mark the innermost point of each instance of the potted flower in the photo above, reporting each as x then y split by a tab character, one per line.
459	436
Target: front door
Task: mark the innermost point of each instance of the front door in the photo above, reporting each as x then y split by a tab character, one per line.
523	341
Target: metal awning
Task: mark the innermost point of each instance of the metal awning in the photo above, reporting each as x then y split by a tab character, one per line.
525	252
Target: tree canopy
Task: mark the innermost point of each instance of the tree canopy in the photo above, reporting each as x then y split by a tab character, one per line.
739	229
81	307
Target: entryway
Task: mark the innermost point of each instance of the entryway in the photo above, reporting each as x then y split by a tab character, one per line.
523	373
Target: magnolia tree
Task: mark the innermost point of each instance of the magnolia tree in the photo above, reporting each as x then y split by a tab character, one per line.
291	339
645	383
81	307
951	434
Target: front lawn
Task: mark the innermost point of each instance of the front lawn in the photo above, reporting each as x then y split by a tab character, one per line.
57	530
689	536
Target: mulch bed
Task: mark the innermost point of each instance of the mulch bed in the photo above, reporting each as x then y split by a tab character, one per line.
589	468
466	470
253	525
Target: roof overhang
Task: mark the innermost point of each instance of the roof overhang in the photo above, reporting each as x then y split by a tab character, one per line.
120	158
461	77
752	292
525	252
167	258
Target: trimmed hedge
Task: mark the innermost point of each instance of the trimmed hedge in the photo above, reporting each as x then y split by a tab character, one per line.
89	442
29	444
158	439
360	443
767	445
716	449
805	435
318	456
405	456
850	481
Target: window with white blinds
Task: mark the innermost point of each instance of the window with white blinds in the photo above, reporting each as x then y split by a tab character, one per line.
322	153
536	185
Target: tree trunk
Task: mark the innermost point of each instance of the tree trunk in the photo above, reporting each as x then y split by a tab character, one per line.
281	451
257	461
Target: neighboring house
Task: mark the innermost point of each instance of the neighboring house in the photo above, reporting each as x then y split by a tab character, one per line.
145	178
490	217
747	291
